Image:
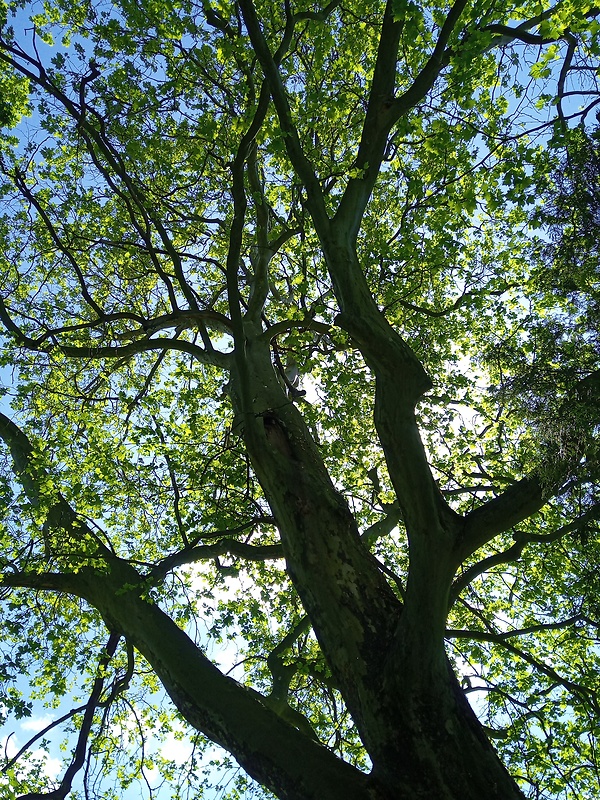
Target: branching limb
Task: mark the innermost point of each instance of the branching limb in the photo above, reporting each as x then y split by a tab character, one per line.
179	320
41	344
274	752
469	575
300	162
88	717
521	540
120	684
271	750
248	552
514	505
527	496
240	204
461	301
285	325
376	126
282	675
34	478
110	164
229	532
21	184
514	552
568	60
54	724
507	34
542	626
318	16
385	109
583	693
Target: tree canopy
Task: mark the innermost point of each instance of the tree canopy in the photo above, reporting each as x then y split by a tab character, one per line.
300	307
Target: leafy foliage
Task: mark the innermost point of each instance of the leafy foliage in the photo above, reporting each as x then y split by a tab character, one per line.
253	254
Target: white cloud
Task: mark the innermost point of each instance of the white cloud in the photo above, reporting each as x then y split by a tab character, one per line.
178	750
36	724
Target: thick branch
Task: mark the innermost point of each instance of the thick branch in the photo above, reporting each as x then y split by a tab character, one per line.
248	552
514	552
385	110
469	575
509	34
376	126
273	752
300	162
44	581
382	527
180	319
42	345
285	325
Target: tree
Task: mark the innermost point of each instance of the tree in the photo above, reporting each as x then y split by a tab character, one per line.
296	364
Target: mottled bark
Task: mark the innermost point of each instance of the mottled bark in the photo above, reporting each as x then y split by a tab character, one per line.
387	658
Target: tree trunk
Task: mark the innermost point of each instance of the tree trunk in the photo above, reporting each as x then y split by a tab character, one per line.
436	744
387	660
429	743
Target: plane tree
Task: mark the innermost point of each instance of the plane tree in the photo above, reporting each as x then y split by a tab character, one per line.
299	312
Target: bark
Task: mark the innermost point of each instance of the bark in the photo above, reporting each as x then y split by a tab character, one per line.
276	754
351	607
387	659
